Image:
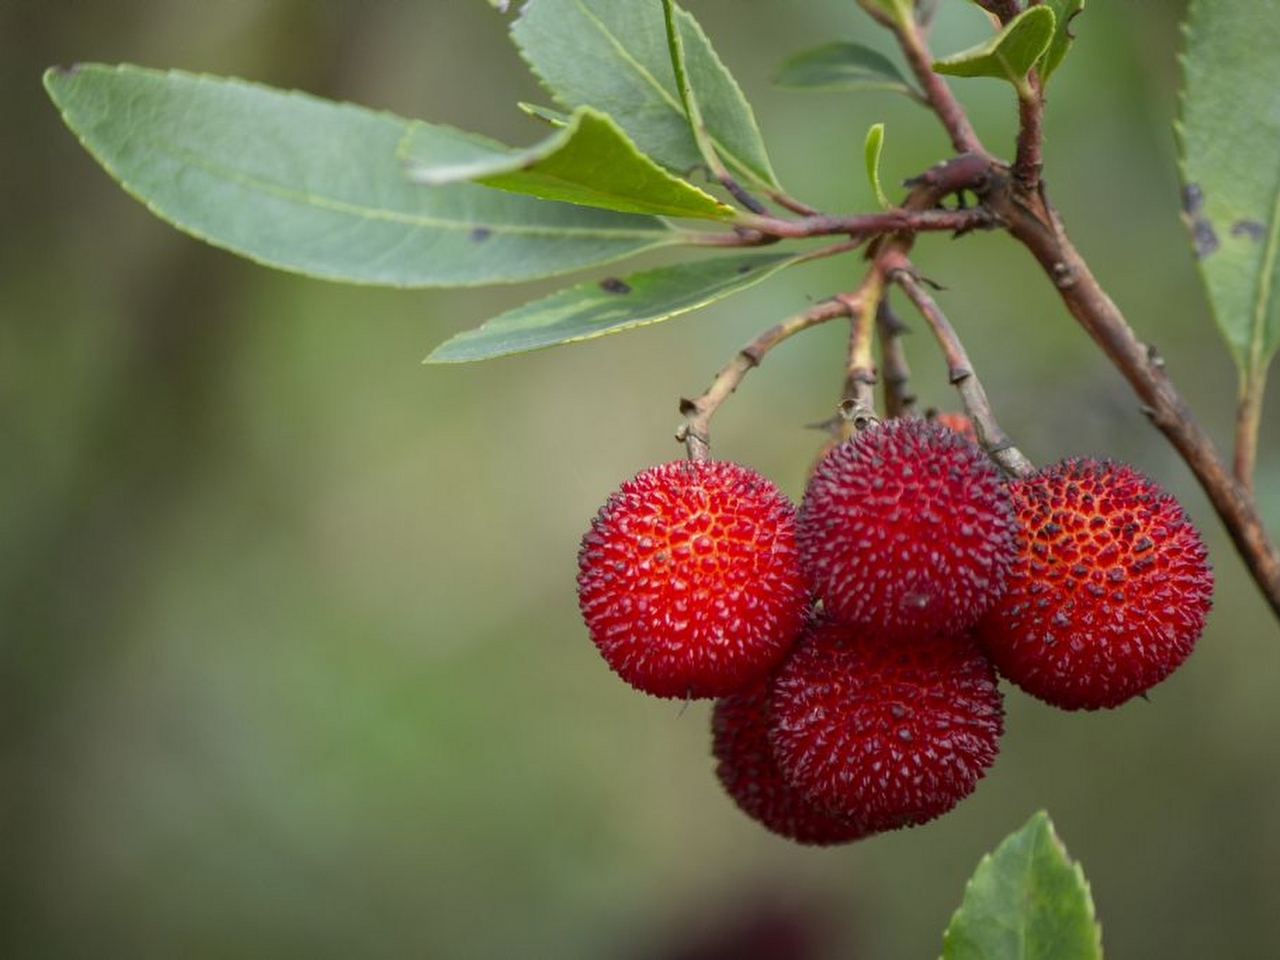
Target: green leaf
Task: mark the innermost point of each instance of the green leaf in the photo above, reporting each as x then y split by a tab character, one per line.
1064	11
589	161
871	149
1026	901
303	184
1229	138
551	117
842	66
613	55
1009	54
596	308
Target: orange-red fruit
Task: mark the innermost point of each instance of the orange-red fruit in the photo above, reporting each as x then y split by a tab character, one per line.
689	579
906	529
886	733
1110	590
750	775
958	422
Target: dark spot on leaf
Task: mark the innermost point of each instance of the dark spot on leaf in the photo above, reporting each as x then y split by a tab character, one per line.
1203	237
614	285
745	268
1192	199
1249	228
479	234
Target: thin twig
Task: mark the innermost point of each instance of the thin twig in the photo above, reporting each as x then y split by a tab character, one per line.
993	439
860	369
899	220
899	401
941	99
1028	160
695	432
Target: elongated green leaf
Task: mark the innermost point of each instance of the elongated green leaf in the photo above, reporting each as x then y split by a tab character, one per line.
610	305
1064	12
300	183
589	161
1229	134
1026	901
613	55
842	66
1010	53
871	150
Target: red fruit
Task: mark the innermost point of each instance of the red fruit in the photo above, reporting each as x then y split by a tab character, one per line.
886	733
958	422
1110	590
906	529
747	770
689	579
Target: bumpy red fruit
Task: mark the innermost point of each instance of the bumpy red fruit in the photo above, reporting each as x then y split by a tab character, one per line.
886	733
689	579
747	770
906	529
1109	593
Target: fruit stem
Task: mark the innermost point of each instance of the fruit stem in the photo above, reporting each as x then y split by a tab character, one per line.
695	432
860	371
899	401
993	439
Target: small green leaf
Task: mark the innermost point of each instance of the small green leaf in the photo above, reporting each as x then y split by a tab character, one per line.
596	308
613	55
589	161
1230	147
554	118
1026	901
842	66
1009	54
292	181
1064	11
875	142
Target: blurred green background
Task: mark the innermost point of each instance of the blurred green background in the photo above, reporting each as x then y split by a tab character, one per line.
290	660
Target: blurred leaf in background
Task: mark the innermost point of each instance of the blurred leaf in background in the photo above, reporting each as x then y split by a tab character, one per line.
290	663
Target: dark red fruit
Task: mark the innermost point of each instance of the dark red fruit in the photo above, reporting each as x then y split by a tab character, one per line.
689	579
906	529
886	733
1109	593
747	770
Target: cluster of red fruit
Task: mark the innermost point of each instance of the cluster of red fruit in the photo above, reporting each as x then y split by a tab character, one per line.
855	644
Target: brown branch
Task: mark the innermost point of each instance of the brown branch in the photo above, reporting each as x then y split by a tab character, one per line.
899	401
1002	10
1028	160
1034	222
695	432
993	439
899	220
936	92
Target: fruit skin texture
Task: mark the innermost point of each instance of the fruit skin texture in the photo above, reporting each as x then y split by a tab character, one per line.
748	772
907	529
1110	591
689	579
887	733
959	422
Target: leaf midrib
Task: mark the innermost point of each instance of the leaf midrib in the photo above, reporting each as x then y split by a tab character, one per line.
1262	302
666	96
306	198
